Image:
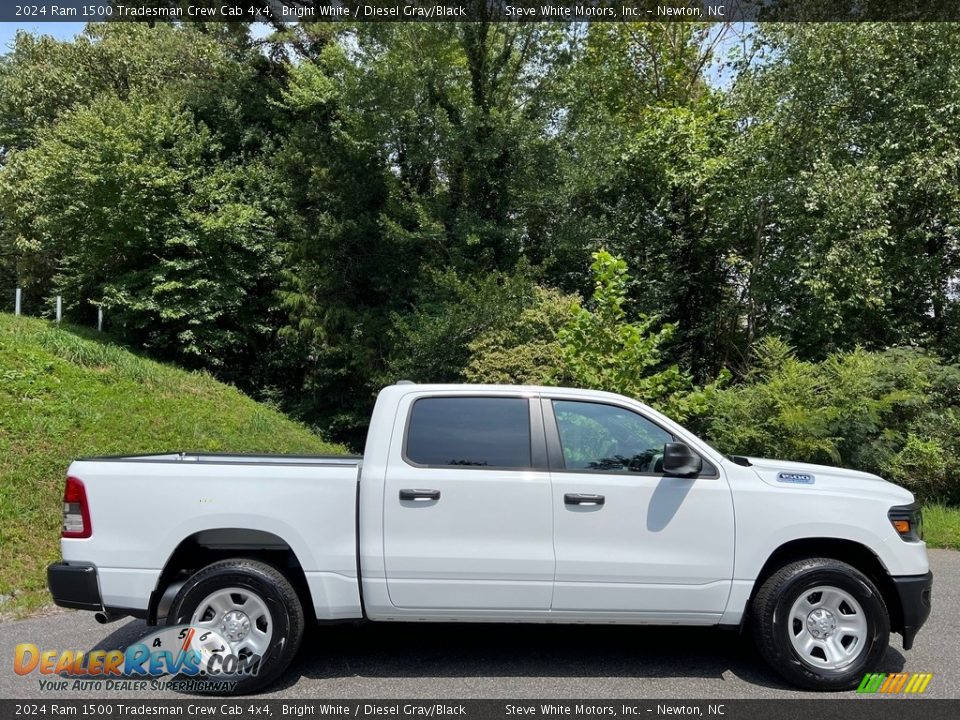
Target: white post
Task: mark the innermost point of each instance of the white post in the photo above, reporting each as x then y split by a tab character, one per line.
16	310
99	319
59	308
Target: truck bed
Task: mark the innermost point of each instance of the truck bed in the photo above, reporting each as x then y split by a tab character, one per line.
234	458
145	507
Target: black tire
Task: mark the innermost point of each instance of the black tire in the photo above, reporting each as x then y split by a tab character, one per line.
275	591
770	612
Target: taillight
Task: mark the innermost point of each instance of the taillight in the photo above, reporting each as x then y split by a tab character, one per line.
76	512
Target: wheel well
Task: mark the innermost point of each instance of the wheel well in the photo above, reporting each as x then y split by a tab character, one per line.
848	551
209	546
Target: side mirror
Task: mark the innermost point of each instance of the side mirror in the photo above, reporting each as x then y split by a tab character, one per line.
680	461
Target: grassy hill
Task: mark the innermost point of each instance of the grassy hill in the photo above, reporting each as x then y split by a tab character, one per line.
65	393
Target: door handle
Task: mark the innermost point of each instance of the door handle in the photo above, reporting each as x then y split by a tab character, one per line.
583	499
408	494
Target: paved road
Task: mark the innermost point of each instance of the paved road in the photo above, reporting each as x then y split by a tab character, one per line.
521	661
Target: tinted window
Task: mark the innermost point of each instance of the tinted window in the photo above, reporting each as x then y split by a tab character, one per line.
470	431
605	437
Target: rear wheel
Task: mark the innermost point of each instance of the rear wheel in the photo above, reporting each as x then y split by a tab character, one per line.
254	609
821	623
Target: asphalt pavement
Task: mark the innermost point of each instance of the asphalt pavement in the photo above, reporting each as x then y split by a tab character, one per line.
459	661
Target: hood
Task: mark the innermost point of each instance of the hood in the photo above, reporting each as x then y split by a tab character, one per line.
825	478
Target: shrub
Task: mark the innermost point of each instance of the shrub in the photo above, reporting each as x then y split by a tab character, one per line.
527	350
893	413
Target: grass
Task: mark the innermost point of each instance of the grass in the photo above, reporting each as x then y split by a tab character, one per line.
64	393
941	526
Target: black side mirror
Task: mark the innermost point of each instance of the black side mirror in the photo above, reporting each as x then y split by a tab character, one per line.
680	461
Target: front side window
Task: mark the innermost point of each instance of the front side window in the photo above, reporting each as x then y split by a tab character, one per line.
601	437
470	431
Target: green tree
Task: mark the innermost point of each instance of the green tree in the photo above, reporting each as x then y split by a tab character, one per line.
526	350
643	134
406	156
42	78
842	203
130	206
601	349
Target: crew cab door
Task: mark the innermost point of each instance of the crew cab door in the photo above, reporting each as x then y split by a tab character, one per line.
628	539
467	518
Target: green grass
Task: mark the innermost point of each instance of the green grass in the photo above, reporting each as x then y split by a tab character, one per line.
941	526
64	394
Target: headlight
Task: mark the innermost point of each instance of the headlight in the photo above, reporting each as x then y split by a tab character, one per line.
907	520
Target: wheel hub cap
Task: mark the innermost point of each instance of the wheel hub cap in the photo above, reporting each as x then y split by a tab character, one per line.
828	628
235	625
821	623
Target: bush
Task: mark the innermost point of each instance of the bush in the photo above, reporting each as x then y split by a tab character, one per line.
557	340
432	342
894	413
527	350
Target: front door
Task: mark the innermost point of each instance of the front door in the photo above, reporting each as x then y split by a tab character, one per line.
467	520
629	539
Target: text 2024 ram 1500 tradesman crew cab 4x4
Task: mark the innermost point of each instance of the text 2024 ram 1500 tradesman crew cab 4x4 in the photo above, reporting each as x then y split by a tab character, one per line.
482	503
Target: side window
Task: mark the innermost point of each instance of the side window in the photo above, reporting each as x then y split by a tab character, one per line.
473	431
601	437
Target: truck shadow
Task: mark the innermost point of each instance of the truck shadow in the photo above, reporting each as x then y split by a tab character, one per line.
459	650
421	651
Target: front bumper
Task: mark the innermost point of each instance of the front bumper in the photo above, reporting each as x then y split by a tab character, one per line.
74	586
914	592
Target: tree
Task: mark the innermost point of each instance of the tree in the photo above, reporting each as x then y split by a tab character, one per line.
129	206
42	78
894	413
407	156
526	350
843	168
643	135
601	349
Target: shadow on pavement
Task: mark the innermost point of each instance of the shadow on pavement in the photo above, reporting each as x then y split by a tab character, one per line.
461	650
401	650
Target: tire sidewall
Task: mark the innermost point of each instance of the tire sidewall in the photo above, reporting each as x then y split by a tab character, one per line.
878	627
287	627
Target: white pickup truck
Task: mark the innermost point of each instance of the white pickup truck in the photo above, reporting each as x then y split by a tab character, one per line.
481	503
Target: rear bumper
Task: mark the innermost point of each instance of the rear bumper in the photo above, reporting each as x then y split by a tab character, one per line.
74	586
914	592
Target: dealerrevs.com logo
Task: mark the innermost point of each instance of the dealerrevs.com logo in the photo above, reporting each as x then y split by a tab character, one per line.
200	659
895	683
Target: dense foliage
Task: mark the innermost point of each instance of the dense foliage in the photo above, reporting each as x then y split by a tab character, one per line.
895	413
326	209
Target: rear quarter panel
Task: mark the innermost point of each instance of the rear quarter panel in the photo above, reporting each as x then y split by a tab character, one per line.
141	511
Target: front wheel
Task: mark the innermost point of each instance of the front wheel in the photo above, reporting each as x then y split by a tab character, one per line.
253	612
821	623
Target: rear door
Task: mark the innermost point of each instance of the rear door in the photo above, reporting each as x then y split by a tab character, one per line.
467	521
629	539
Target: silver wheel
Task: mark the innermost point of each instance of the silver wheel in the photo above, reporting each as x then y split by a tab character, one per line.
827	628
240	617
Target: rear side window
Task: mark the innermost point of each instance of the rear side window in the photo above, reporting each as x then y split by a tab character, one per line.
470	431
